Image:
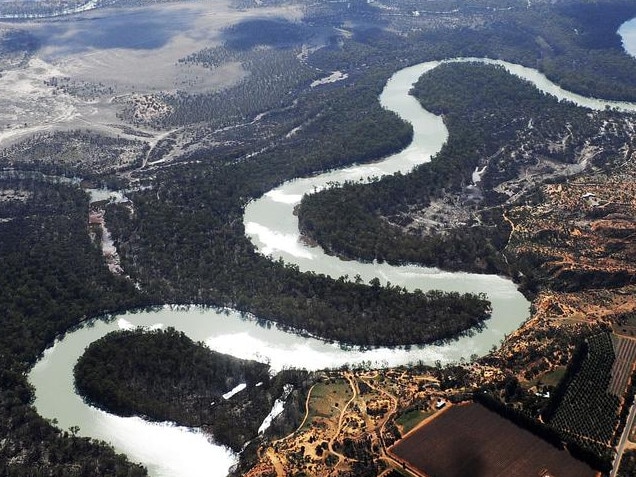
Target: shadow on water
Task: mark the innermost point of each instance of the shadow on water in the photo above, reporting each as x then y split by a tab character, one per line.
18	41
316	28
145	29
273	32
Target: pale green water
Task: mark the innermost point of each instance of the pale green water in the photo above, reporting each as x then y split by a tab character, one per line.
270	223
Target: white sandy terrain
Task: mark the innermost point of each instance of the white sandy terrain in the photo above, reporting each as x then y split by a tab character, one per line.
28	105
332	78
136	67
75	50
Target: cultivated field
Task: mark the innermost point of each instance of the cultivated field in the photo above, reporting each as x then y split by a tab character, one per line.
471	441
625	351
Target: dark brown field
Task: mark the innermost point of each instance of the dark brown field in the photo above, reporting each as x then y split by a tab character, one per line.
625	350
471	441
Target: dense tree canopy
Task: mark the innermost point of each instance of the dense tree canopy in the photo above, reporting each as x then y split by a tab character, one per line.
163	375
185	242
489	114
52	277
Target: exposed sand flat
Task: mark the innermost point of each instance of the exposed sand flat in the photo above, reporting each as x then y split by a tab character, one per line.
123	51
147	60
28	105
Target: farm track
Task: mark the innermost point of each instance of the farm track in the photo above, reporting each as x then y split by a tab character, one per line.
343	411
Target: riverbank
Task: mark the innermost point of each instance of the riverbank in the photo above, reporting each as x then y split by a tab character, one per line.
168	246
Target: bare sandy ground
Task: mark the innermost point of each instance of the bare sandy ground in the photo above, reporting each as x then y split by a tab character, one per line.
143	62
28	105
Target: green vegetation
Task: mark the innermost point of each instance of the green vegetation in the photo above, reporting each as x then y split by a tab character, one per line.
583	52
327	399
410	419
163	375
587	412
553	378
52	278
597	457
581	413
495	120
628	464
186	242
274	78
86	154
573	42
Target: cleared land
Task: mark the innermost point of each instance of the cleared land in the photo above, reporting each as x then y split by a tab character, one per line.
86	71
625	351
471	441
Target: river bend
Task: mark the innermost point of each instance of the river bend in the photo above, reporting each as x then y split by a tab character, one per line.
168	450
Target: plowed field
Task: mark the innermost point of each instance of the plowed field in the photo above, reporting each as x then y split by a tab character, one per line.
471	441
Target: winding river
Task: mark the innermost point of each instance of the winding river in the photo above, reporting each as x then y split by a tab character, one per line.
168	450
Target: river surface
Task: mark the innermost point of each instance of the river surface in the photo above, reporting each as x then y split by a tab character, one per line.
168	450
627	32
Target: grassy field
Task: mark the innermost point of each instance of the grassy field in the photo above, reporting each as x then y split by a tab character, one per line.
411	419
552	378
327	400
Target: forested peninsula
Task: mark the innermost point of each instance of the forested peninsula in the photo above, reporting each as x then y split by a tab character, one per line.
437	215
53	278
164	376
200	254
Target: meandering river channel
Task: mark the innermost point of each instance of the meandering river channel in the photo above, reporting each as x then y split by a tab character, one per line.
169	450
